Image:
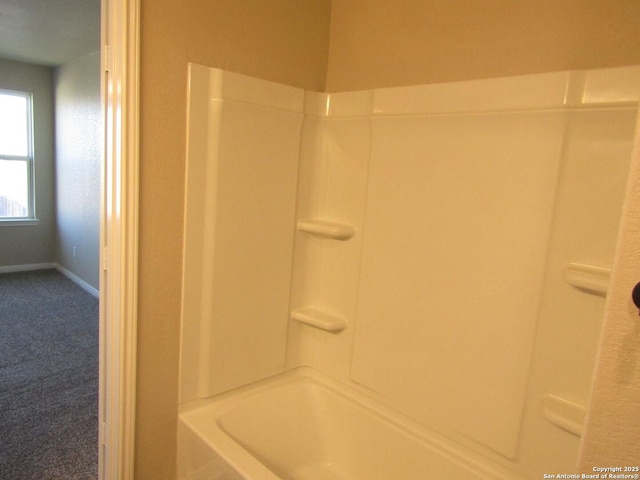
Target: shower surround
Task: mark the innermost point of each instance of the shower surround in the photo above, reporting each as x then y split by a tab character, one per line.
441	250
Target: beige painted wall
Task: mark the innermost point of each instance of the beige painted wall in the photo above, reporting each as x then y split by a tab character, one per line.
77	167
380	43
284	41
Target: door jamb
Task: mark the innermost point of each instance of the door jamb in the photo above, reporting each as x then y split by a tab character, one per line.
119	237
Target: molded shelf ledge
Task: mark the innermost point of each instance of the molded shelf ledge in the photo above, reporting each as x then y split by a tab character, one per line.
324	229
564	414
586	277
319	319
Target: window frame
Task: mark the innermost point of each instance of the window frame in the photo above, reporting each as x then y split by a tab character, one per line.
30	218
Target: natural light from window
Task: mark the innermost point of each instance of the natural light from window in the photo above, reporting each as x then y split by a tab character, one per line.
15	156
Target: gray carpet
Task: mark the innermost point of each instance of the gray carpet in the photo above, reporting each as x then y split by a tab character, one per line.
48	378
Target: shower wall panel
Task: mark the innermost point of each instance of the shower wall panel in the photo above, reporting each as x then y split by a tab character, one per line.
458	219
332	187
241	196
412	243
591	186
469	200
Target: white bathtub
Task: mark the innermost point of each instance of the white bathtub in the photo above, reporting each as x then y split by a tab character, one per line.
299	426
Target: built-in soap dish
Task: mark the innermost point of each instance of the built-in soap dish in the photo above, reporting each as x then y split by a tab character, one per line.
319	319
327	229
588	278
564	414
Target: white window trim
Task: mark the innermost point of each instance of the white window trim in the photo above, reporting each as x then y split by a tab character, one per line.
30	219
19	222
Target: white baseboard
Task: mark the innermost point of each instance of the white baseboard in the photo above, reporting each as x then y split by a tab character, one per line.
77	280
45	266
26	268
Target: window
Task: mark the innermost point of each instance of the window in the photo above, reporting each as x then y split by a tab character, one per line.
16	156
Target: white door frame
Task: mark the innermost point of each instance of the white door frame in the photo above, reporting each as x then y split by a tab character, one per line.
119	237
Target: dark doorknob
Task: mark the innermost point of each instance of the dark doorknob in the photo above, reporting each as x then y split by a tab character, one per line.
635	295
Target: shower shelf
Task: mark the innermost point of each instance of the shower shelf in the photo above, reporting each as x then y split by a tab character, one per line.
325	229
563	414
319	319
586	277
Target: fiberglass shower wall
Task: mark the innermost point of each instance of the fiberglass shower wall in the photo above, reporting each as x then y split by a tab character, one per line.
241	195
419	243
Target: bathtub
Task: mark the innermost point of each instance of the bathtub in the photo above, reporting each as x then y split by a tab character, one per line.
303	426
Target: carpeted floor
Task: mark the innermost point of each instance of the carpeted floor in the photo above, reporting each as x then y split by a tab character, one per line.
48	378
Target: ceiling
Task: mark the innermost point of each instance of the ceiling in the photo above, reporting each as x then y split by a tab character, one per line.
49	32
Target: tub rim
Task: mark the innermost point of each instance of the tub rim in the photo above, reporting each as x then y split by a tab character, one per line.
242	460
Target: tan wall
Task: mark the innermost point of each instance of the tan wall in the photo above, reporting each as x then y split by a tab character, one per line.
379	43
283	40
